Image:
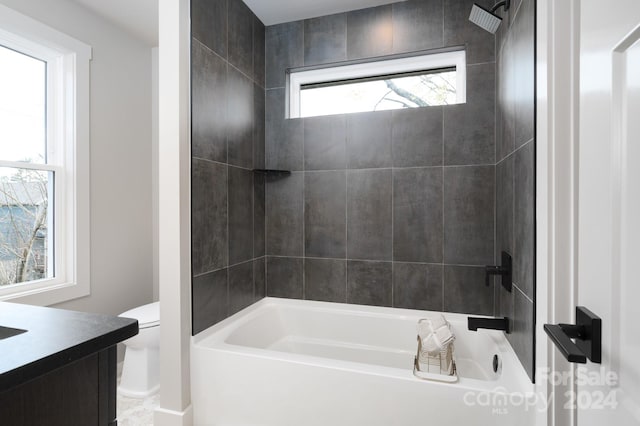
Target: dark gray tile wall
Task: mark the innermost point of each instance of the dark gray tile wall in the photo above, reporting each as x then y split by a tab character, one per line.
228	136
416	137
240	208
211	304
468	222
391	208
369	32
259	278
369	283
325	279
241	286
284	215
369	140
418	286
370	214
458	30
418	25
239	121
209	216
285	277
285	149
208	127
284	49
399	208
418	215
515	173
462	294
325	145
469	128
325	39
325	198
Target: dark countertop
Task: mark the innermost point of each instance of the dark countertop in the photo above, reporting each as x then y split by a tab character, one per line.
54	338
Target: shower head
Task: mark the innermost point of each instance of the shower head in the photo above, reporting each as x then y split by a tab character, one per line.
487	19
484	19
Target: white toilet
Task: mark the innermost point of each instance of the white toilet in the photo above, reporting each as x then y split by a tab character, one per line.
141	369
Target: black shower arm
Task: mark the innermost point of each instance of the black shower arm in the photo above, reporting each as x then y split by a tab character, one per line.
505	3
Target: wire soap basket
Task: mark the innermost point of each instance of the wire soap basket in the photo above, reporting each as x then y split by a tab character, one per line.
437	366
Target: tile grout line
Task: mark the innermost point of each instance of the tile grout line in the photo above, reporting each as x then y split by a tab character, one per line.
451	166
393	41
347	176
253	154
495	236
266	226
304	176
228	240
304	179
304	206
263	264
253	213
512	155
393	177
442	209
515	150
523	293
227	165
346	229
392	231
201	274
443	22
499	58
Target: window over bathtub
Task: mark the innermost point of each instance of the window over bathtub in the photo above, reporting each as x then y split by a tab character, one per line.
44	162
427	79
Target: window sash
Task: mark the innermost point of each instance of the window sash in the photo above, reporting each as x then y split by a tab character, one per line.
57	224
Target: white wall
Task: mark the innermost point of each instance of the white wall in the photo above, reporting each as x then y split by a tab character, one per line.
121	156
154	168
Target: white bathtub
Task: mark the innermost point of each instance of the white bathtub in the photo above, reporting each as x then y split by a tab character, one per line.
287	362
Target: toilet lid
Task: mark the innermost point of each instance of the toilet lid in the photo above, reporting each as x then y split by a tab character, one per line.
147	315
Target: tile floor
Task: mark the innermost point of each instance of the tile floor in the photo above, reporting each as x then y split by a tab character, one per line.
136	412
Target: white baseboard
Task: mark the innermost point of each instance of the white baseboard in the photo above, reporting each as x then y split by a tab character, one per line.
164	417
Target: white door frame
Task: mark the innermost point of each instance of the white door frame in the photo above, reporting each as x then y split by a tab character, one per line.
557	98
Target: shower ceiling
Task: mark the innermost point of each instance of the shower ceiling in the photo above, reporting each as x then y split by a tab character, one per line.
278	11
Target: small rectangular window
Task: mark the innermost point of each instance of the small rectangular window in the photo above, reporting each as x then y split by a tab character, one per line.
409	82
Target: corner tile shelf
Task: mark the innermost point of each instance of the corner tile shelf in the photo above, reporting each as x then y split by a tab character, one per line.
272	172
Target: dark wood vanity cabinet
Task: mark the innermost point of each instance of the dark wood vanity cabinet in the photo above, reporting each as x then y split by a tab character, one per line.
82	393
61	371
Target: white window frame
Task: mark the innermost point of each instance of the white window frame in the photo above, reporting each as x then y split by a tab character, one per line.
424	62
68	87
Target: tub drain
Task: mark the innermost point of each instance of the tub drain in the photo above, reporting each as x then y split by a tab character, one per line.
496	363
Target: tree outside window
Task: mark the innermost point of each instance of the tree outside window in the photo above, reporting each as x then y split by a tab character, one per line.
23	227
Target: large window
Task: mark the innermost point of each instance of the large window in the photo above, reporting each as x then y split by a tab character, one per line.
44	211
408	82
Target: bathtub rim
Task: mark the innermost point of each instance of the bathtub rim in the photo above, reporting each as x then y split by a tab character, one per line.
214	339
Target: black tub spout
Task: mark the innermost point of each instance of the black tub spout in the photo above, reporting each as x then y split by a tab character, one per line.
474	323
